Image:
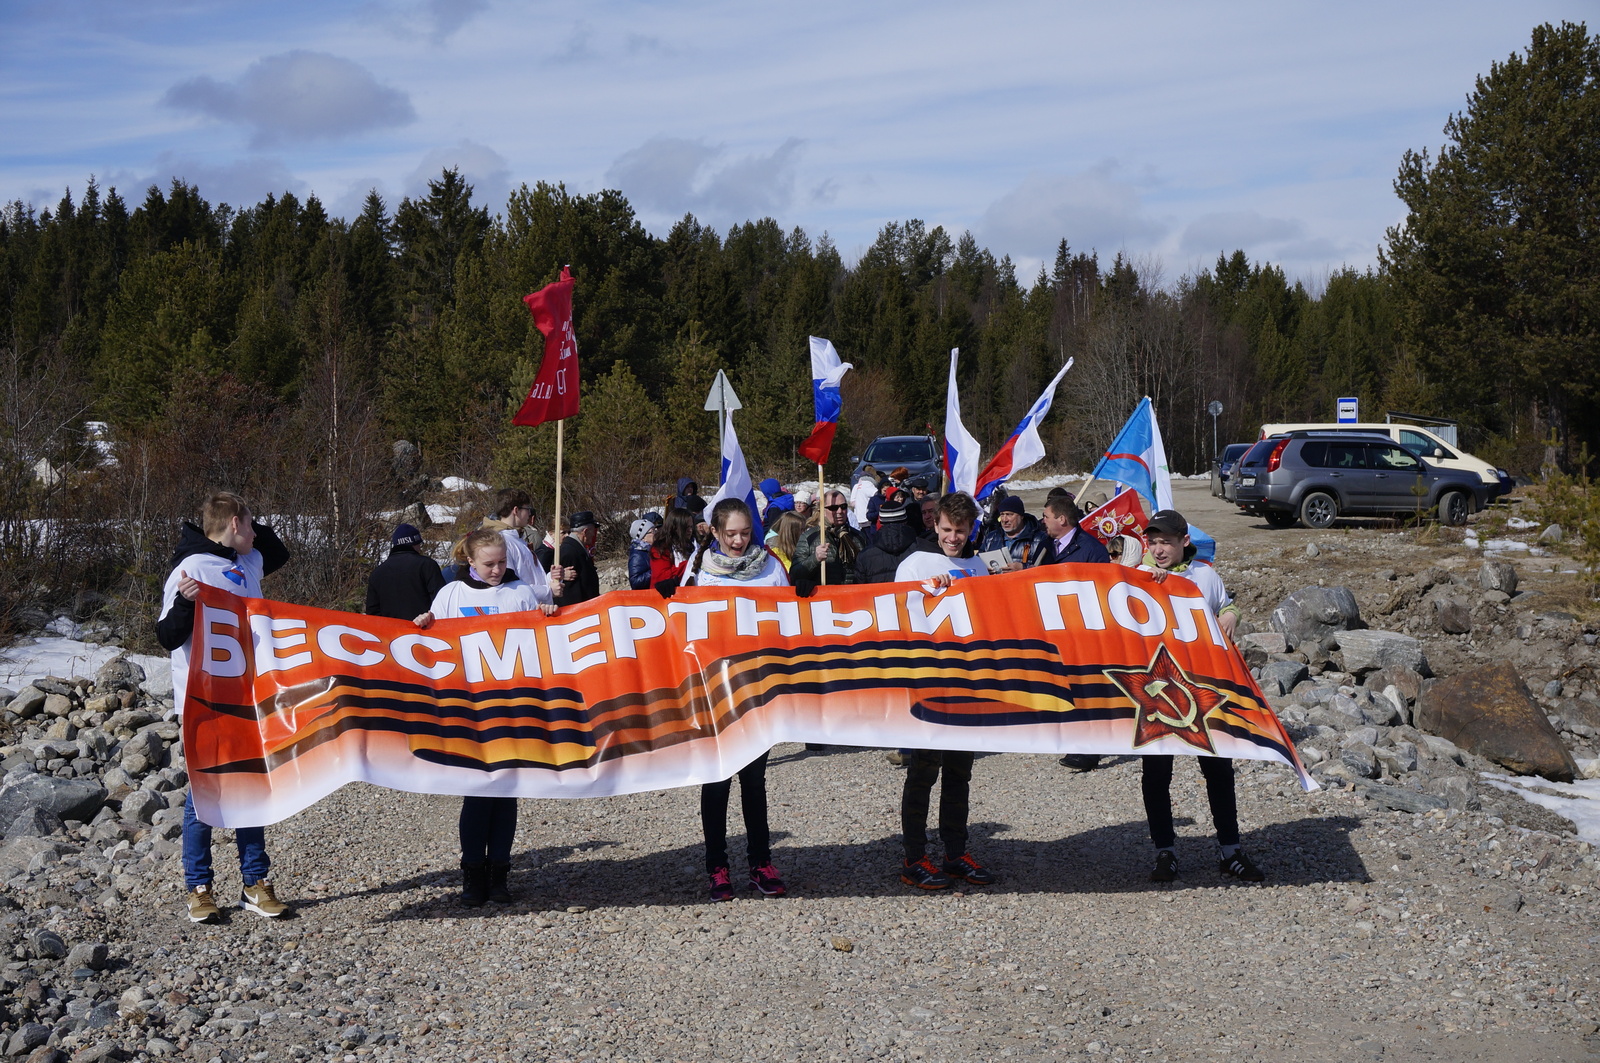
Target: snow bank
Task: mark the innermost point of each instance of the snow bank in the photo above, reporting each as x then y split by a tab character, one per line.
31	659
1578	801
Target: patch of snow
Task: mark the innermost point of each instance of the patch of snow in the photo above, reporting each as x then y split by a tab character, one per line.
457	483
1058	480
1518	524
1578	801
1470	543
1505	546
31	659
443	514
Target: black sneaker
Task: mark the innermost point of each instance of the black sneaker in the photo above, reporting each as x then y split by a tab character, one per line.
970	870
1080	761
1166	869
923	875
1239	866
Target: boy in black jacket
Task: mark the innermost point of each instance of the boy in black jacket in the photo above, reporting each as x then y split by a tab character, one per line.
404	585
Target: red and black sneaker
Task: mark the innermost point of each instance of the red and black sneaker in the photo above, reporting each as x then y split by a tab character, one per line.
721	885
766	880
969	870
923	875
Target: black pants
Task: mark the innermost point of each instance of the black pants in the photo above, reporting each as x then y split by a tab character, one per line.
487	825
922	771
1156	783
753	802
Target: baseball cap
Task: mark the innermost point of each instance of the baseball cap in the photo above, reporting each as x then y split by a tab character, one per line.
1168	522
405	535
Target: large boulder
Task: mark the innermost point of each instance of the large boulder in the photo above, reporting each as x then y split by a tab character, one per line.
119	673
1452	612
76	799
1489	711
1498	576
1313	613
1367	651
28	703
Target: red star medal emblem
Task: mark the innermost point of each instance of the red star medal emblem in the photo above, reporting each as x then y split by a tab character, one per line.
1167	701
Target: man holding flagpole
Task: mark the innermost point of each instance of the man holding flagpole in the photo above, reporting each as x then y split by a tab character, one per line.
827	370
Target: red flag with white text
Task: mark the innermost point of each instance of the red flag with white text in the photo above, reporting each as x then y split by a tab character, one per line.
554	394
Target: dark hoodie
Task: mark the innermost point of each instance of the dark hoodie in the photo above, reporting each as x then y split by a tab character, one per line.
686	499
173	629
404	585
897	540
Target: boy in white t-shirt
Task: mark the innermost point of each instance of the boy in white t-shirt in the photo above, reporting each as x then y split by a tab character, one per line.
957	514
231	551
1171	552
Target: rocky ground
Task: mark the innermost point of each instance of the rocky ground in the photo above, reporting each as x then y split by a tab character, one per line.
1465	926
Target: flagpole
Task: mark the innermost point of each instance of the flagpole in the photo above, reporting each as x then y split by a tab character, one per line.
555	530
822	531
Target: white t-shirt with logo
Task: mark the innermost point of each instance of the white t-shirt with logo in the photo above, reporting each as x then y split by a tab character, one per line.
924	565
462	599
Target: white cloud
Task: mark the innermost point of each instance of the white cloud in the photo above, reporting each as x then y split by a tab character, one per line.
241	183
296	96
669	176
1090	209
485	169
446	16
1225	231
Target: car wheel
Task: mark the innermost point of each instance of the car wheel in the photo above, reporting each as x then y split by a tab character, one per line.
1454	508
1318	510
1279	519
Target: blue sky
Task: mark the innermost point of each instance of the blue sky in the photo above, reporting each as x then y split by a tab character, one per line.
1168	131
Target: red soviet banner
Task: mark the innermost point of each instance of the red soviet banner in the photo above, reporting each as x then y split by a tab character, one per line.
554	394
633	692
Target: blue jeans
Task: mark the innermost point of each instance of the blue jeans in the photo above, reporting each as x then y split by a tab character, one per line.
252	843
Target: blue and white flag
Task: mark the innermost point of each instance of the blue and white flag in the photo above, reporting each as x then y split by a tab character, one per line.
1137	458
736	481
1024	448
960	449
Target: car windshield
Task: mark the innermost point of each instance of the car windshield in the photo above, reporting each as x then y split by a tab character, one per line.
1233	450
1259	450
898	452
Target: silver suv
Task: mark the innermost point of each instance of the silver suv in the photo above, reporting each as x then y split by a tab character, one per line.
1317	478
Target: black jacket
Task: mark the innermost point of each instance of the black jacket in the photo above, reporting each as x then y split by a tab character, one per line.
1084	547
404	585
897	541
573	555
173	629
1031	545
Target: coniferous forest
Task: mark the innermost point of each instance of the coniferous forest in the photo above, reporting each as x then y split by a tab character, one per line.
281	352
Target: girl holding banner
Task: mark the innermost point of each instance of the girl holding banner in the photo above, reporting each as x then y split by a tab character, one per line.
731	558
488	824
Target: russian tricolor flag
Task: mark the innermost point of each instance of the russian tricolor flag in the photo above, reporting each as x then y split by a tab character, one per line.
1024	448
826	372
960	449
736	482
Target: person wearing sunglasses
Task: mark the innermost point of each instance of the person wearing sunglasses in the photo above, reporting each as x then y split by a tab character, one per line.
836	553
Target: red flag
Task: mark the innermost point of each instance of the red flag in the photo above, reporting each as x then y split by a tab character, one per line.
1123	515
554	394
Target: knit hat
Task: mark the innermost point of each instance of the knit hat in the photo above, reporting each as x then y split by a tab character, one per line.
406	535
804	498
892	511
640	528
1012	504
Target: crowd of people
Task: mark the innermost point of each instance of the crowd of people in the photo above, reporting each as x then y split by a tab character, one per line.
887	528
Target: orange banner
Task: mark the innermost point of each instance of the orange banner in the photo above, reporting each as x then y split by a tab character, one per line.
634	692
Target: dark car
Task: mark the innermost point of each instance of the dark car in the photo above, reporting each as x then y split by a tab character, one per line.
919	454
1222	465
1316	478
